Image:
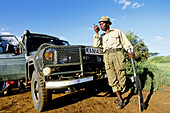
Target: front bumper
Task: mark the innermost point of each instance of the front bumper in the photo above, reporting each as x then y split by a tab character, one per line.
66	83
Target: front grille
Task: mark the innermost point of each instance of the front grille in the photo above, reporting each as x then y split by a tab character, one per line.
63	55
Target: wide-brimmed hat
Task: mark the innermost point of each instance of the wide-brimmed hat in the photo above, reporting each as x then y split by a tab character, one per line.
105	19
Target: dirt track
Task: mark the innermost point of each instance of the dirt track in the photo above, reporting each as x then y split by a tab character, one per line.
86	102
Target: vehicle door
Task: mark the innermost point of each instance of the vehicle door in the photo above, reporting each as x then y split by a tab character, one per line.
12	64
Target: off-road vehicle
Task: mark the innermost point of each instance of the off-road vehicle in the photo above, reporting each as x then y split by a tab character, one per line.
50	63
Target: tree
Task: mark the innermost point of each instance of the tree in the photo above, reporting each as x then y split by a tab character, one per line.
141	53
140	49
153	54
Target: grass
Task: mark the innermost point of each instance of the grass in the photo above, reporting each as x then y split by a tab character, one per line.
164	66
154	73
157	76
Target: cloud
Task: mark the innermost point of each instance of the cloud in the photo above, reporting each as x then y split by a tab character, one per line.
90	28
158	38
137	5
113	19
121	1
128	3
4	31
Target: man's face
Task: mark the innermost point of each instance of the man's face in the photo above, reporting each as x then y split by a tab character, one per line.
103	26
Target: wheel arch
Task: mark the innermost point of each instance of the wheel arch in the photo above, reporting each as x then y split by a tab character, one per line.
29	71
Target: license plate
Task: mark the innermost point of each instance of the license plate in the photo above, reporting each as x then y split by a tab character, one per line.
93	51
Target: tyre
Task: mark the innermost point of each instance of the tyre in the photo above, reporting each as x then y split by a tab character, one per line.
40	95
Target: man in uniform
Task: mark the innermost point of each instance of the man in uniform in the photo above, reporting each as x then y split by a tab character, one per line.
112	41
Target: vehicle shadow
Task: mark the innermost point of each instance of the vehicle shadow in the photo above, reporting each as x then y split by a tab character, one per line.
13	90
67	99
143	78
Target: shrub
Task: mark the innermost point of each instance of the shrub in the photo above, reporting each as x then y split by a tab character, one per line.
151	76
159	59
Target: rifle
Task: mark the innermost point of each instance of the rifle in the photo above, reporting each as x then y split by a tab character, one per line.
138	88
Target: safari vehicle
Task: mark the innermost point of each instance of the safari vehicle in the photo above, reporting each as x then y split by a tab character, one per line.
50	63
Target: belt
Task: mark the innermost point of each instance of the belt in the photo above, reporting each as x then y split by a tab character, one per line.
113	50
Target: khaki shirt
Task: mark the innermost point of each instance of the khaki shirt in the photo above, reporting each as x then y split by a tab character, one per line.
112	40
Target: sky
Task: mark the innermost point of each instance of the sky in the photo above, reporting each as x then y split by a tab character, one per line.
73	20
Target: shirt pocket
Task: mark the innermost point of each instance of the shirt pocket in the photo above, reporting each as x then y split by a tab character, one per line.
114	40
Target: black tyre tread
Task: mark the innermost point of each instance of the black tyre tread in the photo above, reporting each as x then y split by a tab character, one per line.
46	96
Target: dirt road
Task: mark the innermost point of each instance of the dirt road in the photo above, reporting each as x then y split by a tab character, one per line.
82	101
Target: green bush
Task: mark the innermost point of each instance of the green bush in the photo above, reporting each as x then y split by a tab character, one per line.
151	76
159	59
156	76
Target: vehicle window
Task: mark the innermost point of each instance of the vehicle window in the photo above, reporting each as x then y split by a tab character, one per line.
8	44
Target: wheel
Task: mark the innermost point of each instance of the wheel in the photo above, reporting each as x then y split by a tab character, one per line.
40	95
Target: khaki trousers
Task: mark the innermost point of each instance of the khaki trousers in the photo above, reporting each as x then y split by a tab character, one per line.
115	70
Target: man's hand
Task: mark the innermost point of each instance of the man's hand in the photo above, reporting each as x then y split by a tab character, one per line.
131	54
96	28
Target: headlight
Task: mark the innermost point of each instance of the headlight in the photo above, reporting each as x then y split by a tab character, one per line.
46	71
49	55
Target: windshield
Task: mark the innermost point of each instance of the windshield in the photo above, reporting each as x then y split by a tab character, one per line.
35	41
